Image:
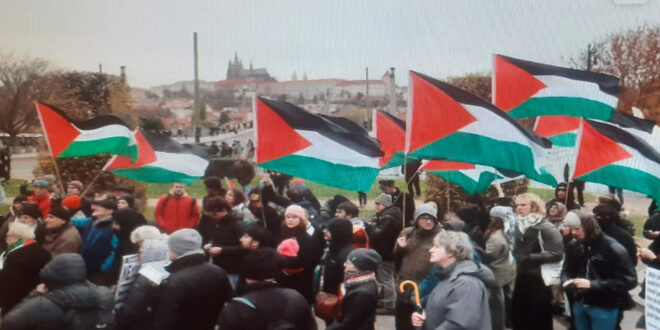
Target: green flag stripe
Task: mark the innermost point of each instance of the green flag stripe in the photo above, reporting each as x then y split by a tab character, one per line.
564	106
626	178
113	145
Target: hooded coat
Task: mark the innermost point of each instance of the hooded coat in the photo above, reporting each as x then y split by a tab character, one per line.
65	278
384	230
65	239
462	288
20	273
341	245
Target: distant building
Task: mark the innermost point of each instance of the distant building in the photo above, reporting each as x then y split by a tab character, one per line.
235	70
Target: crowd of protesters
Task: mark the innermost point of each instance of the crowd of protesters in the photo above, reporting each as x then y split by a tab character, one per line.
266	259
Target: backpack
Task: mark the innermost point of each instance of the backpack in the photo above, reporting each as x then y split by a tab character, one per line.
86	318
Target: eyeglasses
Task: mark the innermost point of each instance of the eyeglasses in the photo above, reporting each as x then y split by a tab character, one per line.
426	218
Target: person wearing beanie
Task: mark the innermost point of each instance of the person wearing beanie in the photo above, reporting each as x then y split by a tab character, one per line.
19	265
298	273
195	292
97	236
412	248
598	280
359	293
383	231
80	207
497	256
253	308
608	217
74	187
221	232
339	235
64	284
564	194
256	237
61	236
462	287
145	232
41	196
176	210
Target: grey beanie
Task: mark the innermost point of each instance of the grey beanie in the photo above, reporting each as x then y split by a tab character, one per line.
384	199
572	220
185	241
365	259
426	209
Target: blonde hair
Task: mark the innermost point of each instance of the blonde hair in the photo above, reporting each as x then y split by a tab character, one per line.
20	230
535	202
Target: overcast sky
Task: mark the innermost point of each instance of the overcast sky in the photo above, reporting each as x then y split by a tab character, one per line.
325	39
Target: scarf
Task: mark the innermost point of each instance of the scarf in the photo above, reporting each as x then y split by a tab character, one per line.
529	221
355	278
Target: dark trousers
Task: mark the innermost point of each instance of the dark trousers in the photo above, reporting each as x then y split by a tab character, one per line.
531	307
362	197
414	183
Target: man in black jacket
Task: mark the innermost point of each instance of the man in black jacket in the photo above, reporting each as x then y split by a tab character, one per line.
195	292
600	287
264	304
398	199
383	232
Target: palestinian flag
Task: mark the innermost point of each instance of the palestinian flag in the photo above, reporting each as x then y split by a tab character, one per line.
561	130
101	134
445	122
161	159
391	132
529	89
613	156
293	141
474	179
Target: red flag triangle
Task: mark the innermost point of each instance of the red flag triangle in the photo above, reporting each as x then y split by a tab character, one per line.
60	132
392	137
596	151
434	114
275	138
548	126
146	155
446	165
513	85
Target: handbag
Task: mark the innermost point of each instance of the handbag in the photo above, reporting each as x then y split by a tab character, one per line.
327	306
551	272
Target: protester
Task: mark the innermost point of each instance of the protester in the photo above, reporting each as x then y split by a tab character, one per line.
280	181
124	221
600	287
607	218
563	194
266	215
472	216
262	303
125	202
537	242
398	199
137	309
64	292
213	188
97	235
75	188
145	232
302	251
11	217
237	200
60	235
31	216
41	196
497	256
556	211
19	265
339	235
195	291
256	237
329	208
412	248
358	303
221	232
349	211
122	191
462	287
383	232
176	210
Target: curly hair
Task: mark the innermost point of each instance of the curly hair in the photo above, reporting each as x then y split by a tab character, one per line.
454	242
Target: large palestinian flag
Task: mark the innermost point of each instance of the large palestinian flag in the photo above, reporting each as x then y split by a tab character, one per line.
101	134
474	179
391	132
613	156
445	122
293	141
529	89
160	159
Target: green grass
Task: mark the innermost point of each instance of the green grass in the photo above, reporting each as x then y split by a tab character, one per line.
638	220
4	209
548	194
12	187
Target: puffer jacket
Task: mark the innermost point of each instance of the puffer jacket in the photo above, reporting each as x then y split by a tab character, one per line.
173	213
65	278
383	231
462	288
606	264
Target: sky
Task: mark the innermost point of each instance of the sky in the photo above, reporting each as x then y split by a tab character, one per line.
323	38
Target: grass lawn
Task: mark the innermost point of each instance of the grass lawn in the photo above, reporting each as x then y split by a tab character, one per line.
638	220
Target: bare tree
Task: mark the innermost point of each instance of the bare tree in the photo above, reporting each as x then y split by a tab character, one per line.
18	84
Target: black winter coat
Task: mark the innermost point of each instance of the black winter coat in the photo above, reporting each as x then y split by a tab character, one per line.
397	200
309	255
340	246
20	274
384	230
137	312
266	305
620	235
608	267
193	296
528	253
225	233
358	308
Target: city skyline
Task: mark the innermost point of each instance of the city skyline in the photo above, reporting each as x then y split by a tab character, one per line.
324	39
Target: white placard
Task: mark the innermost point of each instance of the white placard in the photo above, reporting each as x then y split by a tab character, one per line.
130	266
652	302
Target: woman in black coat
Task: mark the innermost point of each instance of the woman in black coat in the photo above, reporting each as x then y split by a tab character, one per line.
340	236
21	264
303	253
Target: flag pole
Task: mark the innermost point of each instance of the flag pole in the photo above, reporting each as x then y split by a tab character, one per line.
50	150
405	166
92	182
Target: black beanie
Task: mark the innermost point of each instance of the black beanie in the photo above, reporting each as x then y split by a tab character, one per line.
107	203
30	209
365	259
260	234
261	264
60	211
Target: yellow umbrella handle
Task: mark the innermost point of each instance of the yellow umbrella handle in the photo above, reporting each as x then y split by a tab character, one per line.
415	288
